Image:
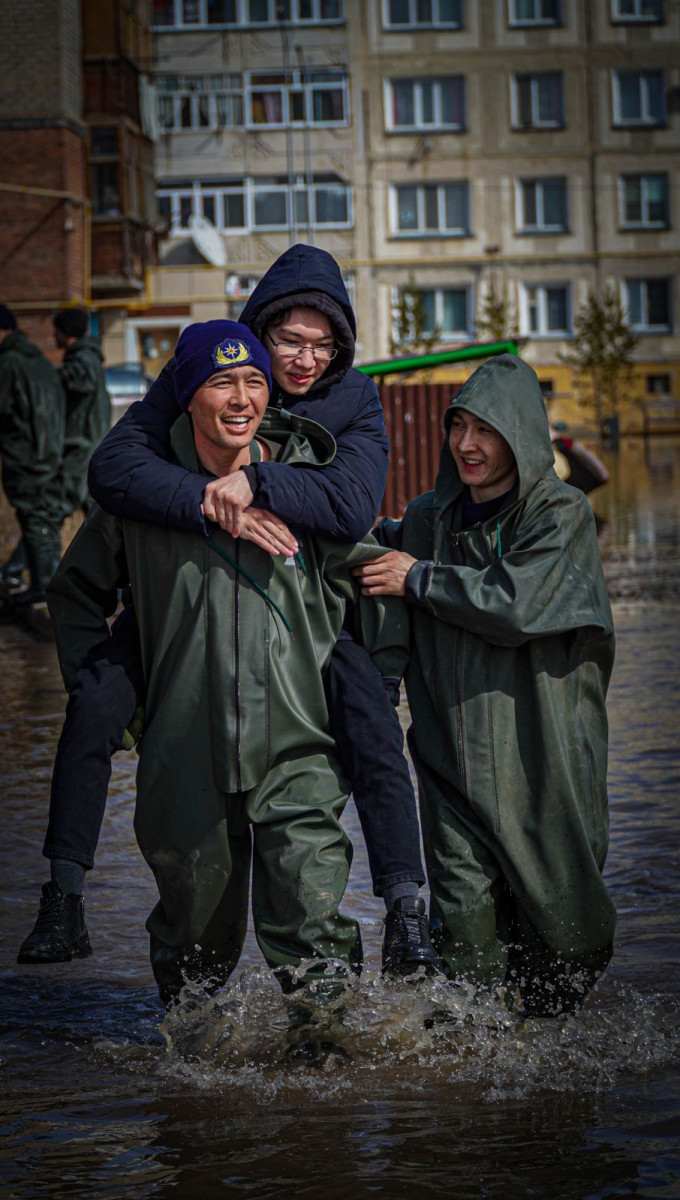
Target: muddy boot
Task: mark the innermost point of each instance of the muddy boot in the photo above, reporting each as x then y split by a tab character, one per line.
43	560
11	573
59	933
406	944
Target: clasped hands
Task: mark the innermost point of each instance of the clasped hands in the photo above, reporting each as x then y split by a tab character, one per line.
227	502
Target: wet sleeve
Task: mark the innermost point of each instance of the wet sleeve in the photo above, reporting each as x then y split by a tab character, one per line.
532	589
380	623
81	375
130	473
341	500
84	590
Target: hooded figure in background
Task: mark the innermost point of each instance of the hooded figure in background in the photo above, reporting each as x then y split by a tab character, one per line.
31	446
88	406
512	648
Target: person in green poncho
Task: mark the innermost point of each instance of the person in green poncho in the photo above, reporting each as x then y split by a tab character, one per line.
512	647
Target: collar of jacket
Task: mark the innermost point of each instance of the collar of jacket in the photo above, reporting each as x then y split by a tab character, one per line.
292	440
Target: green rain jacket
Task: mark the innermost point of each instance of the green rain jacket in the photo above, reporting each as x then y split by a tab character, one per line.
512	650
234	640
31	426
88	416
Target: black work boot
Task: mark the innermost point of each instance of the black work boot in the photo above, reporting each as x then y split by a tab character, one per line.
59	933
11	572
43	560
407	944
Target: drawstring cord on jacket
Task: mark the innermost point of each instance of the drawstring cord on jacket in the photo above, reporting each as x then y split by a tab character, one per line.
499	548
237	567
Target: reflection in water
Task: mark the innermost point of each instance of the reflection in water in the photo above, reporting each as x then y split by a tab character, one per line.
422	1091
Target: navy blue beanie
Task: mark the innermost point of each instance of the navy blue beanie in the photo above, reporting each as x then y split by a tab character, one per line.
210	346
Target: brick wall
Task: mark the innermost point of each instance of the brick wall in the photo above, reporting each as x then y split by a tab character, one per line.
42	238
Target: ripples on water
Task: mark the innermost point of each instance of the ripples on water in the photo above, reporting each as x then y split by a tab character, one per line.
105	1094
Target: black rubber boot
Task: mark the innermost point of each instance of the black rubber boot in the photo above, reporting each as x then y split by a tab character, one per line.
11	572
406	944
59	933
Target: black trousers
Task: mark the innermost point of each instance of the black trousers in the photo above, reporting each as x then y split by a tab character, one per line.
363	721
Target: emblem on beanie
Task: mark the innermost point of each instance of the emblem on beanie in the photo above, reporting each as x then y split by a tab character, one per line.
230	353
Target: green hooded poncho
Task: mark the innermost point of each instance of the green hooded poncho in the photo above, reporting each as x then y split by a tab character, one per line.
512	650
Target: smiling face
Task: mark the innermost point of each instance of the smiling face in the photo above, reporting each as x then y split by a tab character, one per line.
300	327
485	462
226	411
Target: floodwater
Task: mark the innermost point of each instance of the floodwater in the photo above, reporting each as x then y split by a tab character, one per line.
102	1095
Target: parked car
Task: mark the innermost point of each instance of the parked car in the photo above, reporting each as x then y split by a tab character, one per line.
126	382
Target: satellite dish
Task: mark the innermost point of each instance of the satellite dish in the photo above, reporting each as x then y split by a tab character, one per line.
208	241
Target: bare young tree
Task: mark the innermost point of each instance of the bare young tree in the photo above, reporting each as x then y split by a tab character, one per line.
410	334
496	321
601	354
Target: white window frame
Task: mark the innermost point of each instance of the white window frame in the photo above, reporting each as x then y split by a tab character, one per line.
537	122
637	17
437	125
542	309
453	335
530	22
540	225
645	222
242	16
643	326
196	89
437	22
248	191
647	118
296	83
421	230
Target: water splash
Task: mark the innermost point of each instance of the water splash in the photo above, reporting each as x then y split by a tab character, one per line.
248	1035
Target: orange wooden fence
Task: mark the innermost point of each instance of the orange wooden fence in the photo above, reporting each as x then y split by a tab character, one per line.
413	416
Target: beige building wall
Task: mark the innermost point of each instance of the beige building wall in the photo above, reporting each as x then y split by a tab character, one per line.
498	160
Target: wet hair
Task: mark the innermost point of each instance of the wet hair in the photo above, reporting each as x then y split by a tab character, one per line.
71	321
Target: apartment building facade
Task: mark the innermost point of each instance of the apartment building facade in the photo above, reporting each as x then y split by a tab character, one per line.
530	148
77	116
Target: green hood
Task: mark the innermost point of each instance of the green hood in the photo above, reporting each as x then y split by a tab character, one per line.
505	393
19	344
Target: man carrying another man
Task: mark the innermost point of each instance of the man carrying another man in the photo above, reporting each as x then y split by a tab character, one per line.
233	642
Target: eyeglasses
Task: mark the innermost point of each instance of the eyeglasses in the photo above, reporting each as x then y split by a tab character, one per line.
293	350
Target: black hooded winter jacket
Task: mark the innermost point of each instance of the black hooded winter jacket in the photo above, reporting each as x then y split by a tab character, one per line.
129	478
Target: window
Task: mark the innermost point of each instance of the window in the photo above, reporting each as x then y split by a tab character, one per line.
648	303
430	209
644	201
542	205
424	14
448	311
241	205
638	98
183	14
658	385
297	98
199	101
104	167
534	12
544	310
426	103
538	101
637	10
